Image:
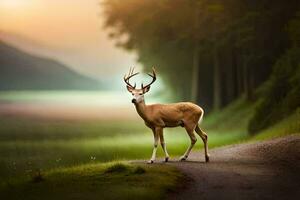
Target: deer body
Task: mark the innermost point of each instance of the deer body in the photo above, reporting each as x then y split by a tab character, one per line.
159	116
169	115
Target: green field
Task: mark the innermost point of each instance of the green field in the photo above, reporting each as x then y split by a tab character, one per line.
95	181
67	152
27	145
56	148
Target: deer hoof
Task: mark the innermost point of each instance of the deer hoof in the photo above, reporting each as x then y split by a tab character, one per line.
207	158
150	162
183	158
166	159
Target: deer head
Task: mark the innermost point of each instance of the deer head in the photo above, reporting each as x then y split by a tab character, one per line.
138	94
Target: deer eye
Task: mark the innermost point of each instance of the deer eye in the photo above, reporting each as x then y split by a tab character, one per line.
140	93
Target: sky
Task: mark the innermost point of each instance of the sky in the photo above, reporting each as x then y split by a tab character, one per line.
70	31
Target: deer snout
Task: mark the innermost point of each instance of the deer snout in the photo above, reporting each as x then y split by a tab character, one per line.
133	101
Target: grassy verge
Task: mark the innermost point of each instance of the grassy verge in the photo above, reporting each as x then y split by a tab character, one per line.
30	145
95	181
234	119
287	126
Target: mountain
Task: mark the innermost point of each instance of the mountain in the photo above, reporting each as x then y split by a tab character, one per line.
22	71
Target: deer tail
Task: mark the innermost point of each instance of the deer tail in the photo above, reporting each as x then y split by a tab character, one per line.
201	116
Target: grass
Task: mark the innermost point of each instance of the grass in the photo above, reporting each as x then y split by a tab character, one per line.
21	129
67	160
287	126
232	124
27	145
116	180
233	118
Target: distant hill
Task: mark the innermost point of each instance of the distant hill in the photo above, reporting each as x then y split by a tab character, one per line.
22	71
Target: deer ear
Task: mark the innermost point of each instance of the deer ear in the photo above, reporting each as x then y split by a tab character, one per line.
130	89
146	89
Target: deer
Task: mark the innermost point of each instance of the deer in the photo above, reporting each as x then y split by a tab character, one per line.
160	116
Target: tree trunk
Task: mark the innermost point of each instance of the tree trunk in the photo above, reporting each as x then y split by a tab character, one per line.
240	80
235	85
217	79
195	72
230	78
250	95
248	80
245	76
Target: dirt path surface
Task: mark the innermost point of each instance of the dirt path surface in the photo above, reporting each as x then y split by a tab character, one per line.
263	170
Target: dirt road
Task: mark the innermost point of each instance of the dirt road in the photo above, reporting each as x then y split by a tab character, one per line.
264	170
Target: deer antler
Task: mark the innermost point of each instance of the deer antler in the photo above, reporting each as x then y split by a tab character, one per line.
127	77
153	75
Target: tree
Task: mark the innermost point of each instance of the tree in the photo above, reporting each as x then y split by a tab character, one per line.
217	20
210	51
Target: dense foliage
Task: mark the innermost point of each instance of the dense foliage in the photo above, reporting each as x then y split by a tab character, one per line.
281	93
212	51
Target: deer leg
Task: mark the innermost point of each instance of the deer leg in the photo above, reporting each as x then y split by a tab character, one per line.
163	145
203	136
156	138
193	138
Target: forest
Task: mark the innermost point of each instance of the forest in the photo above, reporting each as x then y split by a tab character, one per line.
213	52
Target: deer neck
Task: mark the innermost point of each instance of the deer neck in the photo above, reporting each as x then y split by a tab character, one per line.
141	109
